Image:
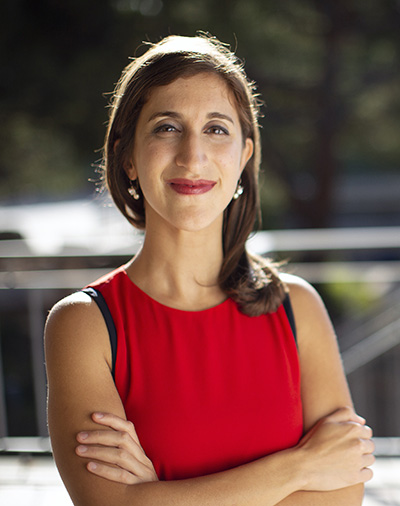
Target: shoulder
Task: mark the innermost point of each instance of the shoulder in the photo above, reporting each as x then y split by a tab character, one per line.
324	388
78	308
298	287
303	296
312	321
76	323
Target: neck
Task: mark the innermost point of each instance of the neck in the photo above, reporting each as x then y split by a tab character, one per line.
179	268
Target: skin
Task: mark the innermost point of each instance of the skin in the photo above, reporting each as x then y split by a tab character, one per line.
179	136
96	449
175	138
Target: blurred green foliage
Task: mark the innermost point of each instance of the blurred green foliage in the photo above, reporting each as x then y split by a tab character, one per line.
328	72
353	298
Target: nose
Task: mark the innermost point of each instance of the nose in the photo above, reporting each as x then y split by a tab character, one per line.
191	152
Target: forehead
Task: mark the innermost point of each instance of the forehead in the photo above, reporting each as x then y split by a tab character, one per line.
204	91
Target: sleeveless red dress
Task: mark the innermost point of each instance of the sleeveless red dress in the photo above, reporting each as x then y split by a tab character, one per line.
206	390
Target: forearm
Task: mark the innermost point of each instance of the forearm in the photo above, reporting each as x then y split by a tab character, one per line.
264	482
351	496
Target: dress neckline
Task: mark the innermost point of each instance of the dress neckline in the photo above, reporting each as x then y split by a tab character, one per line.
122	270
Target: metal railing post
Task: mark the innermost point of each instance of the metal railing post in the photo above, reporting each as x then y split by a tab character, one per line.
36	324
3	408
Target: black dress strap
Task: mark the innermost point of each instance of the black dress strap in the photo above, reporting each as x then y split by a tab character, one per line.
290	316
102	304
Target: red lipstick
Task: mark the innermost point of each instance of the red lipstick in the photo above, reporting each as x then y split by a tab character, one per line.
191	187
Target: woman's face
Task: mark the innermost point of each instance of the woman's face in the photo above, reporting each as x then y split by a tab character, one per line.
188	152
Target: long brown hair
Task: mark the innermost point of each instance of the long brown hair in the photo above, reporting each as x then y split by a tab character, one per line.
252	282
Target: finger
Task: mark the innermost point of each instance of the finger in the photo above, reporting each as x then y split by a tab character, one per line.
115	457
117	423
366	474
112	439
346	414
358	419
113	473
366	432
354	431
367	446
368	460
108	437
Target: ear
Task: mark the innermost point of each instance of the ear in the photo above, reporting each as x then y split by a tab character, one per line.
130	170
247	153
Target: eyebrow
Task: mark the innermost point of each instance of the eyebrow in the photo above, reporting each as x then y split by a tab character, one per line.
219	115
172	114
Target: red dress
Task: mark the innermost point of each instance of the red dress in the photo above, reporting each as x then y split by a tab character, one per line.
206	390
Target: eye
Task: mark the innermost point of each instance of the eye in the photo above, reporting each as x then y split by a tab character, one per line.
165	128
217	130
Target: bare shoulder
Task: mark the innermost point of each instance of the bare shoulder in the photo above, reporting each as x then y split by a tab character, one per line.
324	387
306	301
298	287
75	328
311	317
75	315
77	305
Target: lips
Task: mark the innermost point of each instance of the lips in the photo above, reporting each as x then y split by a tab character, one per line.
191	187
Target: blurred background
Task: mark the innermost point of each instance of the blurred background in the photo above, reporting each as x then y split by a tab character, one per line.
329	75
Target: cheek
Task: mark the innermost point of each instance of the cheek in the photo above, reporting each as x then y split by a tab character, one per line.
231	160
147	163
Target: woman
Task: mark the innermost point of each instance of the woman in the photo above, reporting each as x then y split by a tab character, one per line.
176	378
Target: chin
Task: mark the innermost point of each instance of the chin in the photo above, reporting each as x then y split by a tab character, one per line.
186	219
198	224
195	227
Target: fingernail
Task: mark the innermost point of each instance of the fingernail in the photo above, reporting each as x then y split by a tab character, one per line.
98	415
92	466
83	435
82	449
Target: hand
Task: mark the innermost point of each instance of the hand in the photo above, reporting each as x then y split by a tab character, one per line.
338	452
116	450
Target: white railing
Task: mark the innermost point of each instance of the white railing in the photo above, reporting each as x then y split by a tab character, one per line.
378	341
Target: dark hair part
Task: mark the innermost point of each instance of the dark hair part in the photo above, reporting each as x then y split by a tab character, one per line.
251	281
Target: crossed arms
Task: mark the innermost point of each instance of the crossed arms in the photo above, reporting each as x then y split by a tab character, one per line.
101	460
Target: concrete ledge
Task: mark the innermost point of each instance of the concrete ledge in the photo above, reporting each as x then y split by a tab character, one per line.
25	445
387	446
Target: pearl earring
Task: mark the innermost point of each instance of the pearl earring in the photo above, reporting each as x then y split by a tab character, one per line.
239	190
133	190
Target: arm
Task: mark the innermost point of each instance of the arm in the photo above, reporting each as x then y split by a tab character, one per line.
324	386
327	437
80	383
